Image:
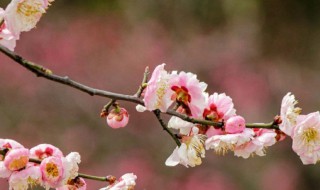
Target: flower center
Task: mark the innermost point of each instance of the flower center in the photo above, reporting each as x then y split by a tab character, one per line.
310	135
28	8
182	94
18	164
161	91
52	169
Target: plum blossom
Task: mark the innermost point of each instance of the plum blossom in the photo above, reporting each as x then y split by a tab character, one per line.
289	114
125	182
10	144
158	93
190	151
16	159
23	15
42	151
52	170
220	107
306	138
235	124
21	180
262	139
189	92
223	143
71	167
177	123
118	118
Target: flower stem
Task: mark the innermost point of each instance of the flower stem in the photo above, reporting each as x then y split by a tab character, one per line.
270	125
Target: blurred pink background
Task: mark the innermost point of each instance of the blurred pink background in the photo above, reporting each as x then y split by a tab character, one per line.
253	51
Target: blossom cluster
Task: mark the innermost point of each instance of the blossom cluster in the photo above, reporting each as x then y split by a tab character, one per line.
20	16
54	170
45	165
184	93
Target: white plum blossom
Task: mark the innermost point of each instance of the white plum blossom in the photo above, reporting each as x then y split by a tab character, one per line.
262	139
71	167
306	138
183	126
288	113
190	151
25	178
223	143
125	182
23	15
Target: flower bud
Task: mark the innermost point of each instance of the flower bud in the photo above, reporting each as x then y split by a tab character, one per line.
235	124
118	118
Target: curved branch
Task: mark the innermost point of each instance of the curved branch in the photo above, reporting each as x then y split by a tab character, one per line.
40	71
46	73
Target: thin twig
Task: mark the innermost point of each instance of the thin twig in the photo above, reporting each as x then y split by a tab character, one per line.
143	83
165	127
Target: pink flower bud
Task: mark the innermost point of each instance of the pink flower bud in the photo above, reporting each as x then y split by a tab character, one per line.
235	124
16	159
118	118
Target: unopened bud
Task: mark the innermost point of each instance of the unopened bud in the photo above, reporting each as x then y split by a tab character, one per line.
118	118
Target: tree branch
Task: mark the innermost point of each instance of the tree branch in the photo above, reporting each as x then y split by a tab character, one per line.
40	71
165	127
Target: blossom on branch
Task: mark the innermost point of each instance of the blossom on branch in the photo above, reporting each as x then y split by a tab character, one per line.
43	151
190	152
189	93
225	142
125	182
158	93
21	180
306	138
219	107
289	113
23	15
262	139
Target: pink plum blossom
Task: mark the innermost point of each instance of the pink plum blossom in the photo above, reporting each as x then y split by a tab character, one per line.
25	178
189	92
10	144
235	124
306	138
75	184
23	15
288	113
223	143
42	151
118	118
262	139
16	159
52	170
125	182
190	151
220	107
158	93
